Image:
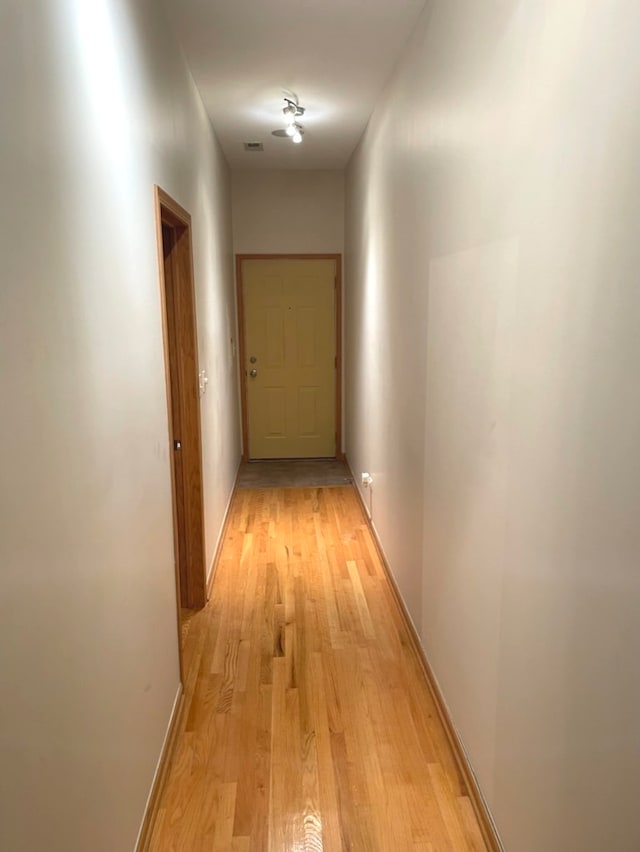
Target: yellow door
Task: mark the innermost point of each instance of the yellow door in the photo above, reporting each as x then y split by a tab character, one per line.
290	347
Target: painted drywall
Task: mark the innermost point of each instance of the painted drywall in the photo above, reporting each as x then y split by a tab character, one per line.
97	107
288	211
493	343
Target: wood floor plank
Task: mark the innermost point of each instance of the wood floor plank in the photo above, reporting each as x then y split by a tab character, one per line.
308	724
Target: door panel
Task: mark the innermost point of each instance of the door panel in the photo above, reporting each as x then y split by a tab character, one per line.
181	353
173	351
290	320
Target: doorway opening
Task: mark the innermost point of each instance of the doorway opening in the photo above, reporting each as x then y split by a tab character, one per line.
183	400
290	323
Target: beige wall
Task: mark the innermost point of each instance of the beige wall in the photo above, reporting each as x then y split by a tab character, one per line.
493	343
97	106
293	212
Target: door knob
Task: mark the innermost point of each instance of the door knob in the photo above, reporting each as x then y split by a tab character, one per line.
253	373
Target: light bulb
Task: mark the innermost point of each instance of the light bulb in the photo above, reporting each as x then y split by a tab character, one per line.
291	130
297	137
289	113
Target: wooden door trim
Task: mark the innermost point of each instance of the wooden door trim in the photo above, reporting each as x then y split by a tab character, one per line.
240	258
168	212
162	773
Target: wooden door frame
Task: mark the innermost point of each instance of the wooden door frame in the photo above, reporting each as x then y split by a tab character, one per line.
170	213
240	258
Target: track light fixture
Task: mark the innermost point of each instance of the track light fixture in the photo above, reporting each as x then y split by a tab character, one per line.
289	113
292	111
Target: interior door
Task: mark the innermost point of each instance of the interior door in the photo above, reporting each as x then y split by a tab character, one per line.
181	361
290	349
173	346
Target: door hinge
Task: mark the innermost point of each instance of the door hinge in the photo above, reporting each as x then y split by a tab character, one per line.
335	362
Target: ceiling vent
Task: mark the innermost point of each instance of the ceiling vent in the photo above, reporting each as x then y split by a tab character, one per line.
253	146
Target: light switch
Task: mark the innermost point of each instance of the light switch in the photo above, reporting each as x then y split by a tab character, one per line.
203	381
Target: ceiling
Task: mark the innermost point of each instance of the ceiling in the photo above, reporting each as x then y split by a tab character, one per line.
333	55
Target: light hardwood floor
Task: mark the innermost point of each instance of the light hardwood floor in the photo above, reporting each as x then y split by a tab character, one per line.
308	725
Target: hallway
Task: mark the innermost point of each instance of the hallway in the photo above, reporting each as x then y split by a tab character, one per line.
471	170
307	723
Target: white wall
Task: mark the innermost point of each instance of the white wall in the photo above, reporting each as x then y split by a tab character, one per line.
97	106
493	343
291	212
